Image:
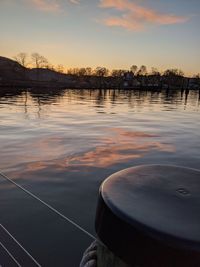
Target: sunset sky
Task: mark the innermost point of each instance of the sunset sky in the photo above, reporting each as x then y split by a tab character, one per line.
110	33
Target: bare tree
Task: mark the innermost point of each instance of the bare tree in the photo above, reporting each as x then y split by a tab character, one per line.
174	72
118	73
88	71
60	68
39	61
82	72
69	71
21	58
101	71
197	78
50	67
155	72
174	77
142	70
133	68
73	71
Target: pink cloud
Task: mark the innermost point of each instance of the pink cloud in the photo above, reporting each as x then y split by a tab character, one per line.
74	1
124	22
46	5
136	17
52	6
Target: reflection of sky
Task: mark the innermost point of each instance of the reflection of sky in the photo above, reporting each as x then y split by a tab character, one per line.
62	146
92	127
115	146
120	146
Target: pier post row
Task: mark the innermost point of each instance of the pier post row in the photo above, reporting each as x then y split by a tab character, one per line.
149	216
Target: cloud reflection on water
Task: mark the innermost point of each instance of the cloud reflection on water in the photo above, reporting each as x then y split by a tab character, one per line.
121	146
118	145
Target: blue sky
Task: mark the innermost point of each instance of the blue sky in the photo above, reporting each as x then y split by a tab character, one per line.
110	33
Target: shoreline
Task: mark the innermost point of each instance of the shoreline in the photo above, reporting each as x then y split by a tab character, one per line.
34	85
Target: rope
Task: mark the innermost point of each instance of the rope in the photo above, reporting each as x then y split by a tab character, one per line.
20	245
12	257
90	256
48	206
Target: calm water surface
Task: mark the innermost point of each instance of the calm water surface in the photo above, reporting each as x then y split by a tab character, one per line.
61	145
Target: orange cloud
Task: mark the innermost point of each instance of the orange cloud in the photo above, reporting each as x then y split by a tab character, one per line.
136	17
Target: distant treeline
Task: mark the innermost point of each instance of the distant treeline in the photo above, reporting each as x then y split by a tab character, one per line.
36	71
38	61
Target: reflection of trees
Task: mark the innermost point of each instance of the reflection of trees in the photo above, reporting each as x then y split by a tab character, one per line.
38	96
99	97
46	96
170	96
25	102
186	96
113	96
175	97
10	92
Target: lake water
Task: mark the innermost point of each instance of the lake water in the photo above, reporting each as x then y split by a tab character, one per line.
60	145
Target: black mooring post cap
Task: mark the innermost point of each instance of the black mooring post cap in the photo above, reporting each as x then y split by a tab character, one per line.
150	215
